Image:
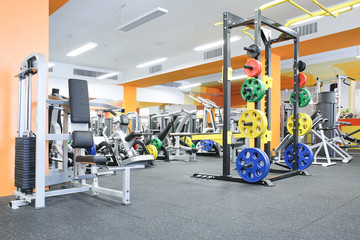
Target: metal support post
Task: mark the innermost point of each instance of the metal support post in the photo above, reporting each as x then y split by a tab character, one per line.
257	37
296	105
227	95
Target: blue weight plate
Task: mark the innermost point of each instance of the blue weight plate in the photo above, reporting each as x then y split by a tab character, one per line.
260	164
207	145
305	154
92	150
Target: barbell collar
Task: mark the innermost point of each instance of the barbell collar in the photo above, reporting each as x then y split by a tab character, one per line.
248	124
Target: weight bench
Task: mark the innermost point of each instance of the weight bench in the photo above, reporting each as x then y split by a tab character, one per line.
82	138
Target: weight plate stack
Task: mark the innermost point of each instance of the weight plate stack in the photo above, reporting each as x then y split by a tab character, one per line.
25	155
156	142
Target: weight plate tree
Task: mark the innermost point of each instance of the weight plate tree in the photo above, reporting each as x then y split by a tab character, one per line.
230	22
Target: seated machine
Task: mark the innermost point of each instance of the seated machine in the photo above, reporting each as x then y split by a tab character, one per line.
31	169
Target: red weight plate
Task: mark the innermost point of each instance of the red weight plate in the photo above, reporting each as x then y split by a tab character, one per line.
257	68
302	78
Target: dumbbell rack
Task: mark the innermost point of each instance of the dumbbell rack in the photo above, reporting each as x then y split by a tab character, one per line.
231	21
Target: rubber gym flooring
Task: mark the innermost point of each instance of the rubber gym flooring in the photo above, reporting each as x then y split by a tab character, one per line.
168	204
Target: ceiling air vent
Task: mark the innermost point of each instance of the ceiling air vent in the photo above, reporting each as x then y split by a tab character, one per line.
307	29
213	53
92	74
156	68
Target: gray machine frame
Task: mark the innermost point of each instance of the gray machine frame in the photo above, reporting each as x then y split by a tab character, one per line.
36	64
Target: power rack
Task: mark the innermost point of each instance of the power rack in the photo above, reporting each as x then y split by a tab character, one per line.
231	21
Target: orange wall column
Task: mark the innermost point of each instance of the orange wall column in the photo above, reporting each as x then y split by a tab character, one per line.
275	99
129	102
24	29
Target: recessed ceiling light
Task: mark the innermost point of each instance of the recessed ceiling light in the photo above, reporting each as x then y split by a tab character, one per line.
191	85
157	12
159	60
107	75
82	49
216	44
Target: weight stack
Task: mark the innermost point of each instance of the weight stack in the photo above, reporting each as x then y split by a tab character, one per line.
25	151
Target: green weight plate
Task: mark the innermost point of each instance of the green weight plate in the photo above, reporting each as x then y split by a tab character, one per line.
304	97
253	90
156	142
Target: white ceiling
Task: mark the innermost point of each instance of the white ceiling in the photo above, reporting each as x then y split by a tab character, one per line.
187	25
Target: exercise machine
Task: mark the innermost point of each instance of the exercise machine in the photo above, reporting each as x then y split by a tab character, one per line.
31	171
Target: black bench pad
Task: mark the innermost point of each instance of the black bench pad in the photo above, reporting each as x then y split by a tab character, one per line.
132	135
91	159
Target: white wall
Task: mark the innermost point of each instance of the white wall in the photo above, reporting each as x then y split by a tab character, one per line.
108	91
160	94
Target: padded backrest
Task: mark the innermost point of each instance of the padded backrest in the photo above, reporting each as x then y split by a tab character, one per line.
124	120
82	139
79	101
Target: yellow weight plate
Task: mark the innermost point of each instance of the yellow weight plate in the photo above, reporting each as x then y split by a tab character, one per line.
304	124
187	140
152	150
252	123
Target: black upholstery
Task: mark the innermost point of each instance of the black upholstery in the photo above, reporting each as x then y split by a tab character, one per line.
163	133
132	135
79	101
82	139
124	120
92	159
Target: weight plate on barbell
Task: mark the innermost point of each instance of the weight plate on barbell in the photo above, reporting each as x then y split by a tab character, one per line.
187	140
252	164
304	97
253	68
207	145
304	124
252	123
152	150
253	90
305	156
156	142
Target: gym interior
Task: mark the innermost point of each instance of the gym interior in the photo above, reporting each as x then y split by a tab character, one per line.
155	119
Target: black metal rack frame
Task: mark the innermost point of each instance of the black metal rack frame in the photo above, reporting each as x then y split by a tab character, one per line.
231	21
